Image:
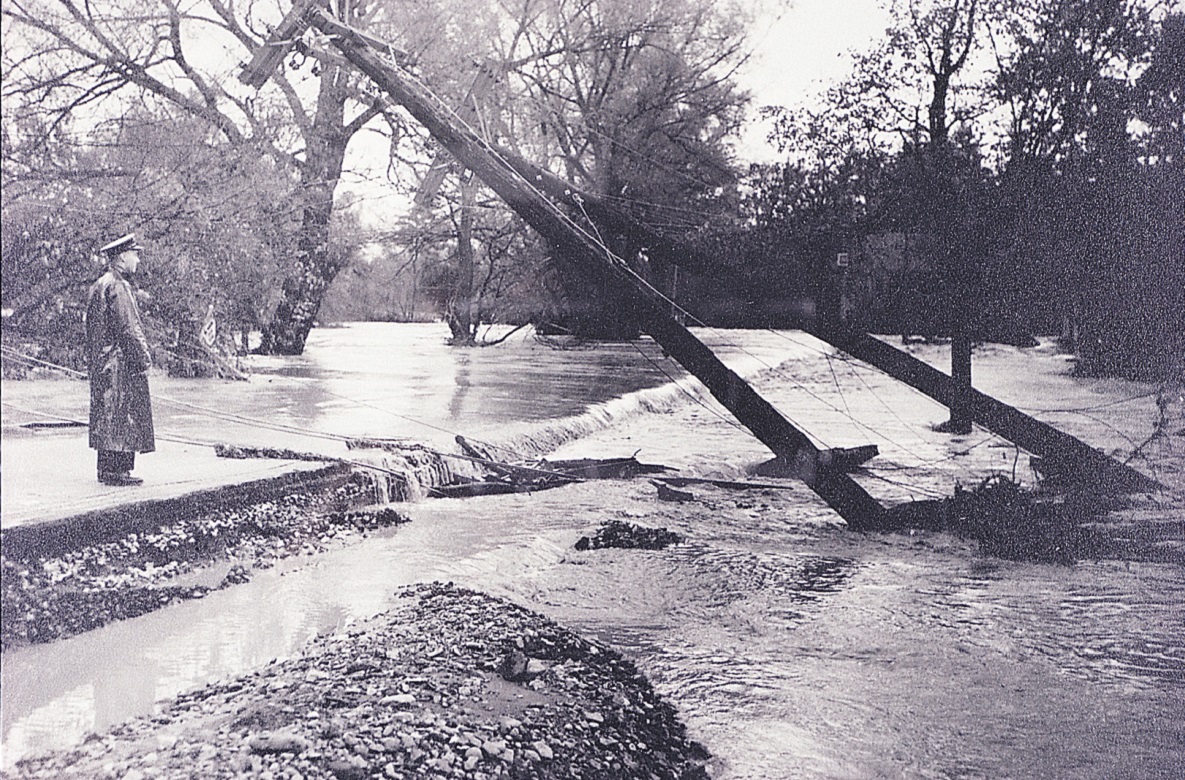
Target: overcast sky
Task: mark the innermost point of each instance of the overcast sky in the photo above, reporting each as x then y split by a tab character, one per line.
803	48
801	51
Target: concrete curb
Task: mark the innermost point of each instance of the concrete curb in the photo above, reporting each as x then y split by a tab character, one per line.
99	526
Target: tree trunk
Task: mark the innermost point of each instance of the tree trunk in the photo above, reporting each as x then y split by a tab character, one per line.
461	303
937	114
315	267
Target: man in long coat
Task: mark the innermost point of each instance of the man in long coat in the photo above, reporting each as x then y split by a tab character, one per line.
118	359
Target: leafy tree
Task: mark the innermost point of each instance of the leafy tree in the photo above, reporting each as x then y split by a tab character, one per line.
195	207
635	100
914	85
70	63
629	100
1086	206
1067	82
828	181
1160	95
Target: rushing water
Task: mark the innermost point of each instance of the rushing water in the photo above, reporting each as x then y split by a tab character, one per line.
792	647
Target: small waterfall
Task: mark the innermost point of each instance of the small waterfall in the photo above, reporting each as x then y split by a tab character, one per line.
547	437
406	472
409	471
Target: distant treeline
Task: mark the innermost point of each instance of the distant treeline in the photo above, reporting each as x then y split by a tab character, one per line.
1098	260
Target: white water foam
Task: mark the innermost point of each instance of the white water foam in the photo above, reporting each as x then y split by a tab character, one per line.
542	438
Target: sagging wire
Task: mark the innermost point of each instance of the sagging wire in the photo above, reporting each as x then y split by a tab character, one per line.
221	415
276	427
1093	408
903	486
580	230
923	462
331	458
29	359
83	424
695	397
243	419
436	428
838	389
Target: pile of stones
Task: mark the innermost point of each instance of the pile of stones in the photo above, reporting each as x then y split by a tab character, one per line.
620	534
449	683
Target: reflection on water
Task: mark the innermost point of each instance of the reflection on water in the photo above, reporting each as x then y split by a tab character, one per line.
791	648
462	384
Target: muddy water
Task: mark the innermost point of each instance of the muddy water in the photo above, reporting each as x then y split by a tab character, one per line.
402	380
792	648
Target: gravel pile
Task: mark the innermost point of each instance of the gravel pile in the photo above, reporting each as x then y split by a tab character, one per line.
51	598
450	683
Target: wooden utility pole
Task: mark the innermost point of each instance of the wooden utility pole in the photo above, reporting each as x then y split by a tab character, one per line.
960	374
1035	436
534	194
483	82
961	306
575	239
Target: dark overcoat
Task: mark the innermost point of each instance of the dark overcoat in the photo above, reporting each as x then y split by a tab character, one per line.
118	359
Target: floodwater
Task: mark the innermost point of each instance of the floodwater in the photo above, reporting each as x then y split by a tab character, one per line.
792	647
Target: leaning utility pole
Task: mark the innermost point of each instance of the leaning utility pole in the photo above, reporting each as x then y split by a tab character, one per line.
536	194
577	240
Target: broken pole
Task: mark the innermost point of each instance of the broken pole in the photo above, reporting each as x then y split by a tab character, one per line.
268	57
839	490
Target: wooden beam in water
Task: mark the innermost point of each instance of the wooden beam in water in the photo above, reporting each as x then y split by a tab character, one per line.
838	489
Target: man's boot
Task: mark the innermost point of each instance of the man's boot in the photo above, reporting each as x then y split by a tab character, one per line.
119	478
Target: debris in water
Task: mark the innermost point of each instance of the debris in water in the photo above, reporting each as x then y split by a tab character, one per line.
234	452
1020	524
627	536
668	493
502	477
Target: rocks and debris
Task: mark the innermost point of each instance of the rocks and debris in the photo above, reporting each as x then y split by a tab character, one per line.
486	487
47	598
837	458
369	518
727	484
502	477
40	424
618	533
243	453
412	693
405	471
603	468
517	666
1012	522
